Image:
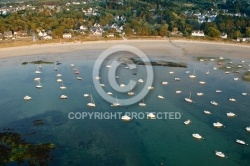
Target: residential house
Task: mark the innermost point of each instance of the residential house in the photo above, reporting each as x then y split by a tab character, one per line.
198	33
223	35
67	36
21	33
7	34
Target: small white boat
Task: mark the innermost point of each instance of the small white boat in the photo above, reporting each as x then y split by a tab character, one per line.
232	99
63	87
242	61
86	95
218	91
200	94
126	118
248	129
171	72
126	67
207	112
39	85
221	58
108	66
59	75
227	72
178	91
187	72
102	85
37	79
97	78
187	122
91	103
150	88
140	81
215	68
230	114
79	78
218	124
161	97
122	85
164	83
142	104
197	136
236	79
202	83
116	104
240	142
72	65
201	60
220	154
231	62
214	103
59	80
131	93
117	77
229	67
192	75
110	93
212	60
63	97
27	98
151	116
244	94
207	71
189	99
239	66
38	72
177	79
40	66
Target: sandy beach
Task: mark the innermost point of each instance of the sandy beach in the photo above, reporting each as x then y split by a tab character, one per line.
175	48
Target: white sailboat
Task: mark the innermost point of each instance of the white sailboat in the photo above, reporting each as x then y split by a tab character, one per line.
122	85
177	79
126	118
164	83
142	104
200	94
161	97
232	99
86	95
171	72
91	103
151	115
59	80
244	94
248	129
116	104
202	82
140	81
197	136
131	93
192	75
27	98
178	91
38	70
63	87
63	97
240	142
220	154
110	93
187	122
214	103
231	114
39	85
218	124
59	75
189	99
150	88
207	71
37	79
207	112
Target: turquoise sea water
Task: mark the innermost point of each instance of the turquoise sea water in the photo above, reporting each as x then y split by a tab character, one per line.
139	142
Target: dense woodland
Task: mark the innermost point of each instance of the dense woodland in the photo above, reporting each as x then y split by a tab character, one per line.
142	17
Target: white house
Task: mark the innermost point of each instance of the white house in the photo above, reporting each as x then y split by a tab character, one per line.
67	36
223	35
198	33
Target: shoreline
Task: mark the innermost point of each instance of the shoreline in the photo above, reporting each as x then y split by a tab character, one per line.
178	47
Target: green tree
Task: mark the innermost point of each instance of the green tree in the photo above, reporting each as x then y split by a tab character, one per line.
163	30
213	32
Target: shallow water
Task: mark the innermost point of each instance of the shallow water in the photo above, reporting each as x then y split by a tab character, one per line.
139	142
